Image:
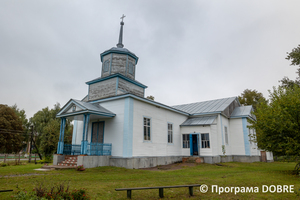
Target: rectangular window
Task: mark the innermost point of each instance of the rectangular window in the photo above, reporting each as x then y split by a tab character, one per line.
186	141
170	133
226	135
205	140
147	131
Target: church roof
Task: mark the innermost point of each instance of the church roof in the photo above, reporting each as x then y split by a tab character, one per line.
99	79
206	107
243	111
83	107
197	121
120	51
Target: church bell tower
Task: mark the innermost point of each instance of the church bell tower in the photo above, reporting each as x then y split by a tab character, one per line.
117	74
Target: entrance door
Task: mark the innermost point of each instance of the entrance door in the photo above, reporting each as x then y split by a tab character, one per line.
195	145
97	132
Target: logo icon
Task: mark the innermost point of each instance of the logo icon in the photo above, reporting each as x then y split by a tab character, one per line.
203	188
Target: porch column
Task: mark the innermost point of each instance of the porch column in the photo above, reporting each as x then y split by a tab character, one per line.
84	142
60	146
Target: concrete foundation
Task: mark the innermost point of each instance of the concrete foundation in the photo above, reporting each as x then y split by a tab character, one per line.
143	162
93	161
57	158
147	162
234	158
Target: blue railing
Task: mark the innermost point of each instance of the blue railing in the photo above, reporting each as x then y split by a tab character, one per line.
93	149
72	149
99	149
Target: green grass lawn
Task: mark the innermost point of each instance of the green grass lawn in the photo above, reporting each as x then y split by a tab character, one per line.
101	182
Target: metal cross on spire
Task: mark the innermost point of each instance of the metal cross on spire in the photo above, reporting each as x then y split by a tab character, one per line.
120	45
123	17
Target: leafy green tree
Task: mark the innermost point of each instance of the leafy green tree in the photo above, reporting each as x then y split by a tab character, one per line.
150	97
294	57
11	130
47	129
251	97
278	122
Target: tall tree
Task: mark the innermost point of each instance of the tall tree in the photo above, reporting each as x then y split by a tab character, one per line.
278	122
251	97
47	129
11	130
294	57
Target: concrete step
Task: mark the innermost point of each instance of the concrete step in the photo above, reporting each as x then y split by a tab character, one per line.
67	164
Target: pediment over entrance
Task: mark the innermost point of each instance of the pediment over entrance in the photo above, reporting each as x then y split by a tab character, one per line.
74	108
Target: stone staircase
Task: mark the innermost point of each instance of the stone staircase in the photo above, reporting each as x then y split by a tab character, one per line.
70	161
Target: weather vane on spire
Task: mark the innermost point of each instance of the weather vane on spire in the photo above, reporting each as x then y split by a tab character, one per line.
120	45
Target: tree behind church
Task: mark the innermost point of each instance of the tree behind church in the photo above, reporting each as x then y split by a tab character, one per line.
251	97
278	122
47	129
11	130
294	57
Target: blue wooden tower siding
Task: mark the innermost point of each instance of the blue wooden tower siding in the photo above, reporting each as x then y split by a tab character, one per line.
115	119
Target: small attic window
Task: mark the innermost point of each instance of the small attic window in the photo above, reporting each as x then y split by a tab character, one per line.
106	66
74	108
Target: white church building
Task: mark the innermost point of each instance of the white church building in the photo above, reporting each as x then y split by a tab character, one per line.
115	125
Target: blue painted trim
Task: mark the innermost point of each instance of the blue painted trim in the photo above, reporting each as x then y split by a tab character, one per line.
198	145
150	129
191	144
87	126
116	75
222	130
117	85
86	112
83	130
141	99
74	132
71	101
246	136
119	52
63	129
111	55
128	128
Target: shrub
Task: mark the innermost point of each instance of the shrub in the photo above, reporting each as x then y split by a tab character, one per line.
58	191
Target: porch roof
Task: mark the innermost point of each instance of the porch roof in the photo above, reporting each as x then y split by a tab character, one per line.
198	121
83	108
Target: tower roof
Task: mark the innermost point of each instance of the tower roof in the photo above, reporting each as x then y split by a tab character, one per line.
119	49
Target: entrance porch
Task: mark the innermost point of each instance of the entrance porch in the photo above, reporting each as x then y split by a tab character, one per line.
85	116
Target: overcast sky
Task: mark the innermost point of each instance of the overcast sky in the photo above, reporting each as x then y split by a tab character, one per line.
189	51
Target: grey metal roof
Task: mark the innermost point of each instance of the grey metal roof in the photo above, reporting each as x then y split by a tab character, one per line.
206	107
205	120
243	111
93	107
86	107
118	50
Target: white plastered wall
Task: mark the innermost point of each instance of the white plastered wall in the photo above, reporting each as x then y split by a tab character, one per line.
213	137
237	137
160	117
